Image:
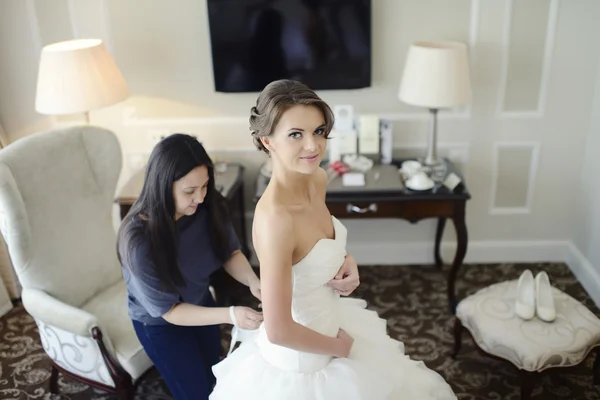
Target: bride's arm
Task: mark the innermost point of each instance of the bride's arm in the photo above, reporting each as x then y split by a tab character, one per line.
347	279
274	245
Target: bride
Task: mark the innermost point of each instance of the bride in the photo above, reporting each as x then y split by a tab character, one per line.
312	344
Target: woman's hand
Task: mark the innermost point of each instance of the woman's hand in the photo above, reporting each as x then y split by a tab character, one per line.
247	318
345	343
254	286
347	278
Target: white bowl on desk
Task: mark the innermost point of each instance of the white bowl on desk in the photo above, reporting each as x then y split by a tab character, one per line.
420	182
410	167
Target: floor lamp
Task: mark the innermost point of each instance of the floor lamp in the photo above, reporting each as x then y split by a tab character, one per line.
78	76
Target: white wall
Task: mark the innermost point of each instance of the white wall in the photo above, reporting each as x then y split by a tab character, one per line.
20	45
532	61
586	254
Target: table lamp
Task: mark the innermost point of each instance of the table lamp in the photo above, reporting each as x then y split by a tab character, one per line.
436	76
78	76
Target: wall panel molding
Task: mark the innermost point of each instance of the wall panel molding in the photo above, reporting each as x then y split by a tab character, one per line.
531	177
550	38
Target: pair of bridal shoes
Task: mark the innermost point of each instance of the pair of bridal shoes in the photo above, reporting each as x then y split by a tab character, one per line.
534	297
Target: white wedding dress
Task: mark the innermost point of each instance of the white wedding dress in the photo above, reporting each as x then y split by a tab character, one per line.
376	368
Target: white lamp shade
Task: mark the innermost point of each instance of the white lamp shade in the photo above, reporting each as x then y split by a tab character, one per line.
77	76
436	75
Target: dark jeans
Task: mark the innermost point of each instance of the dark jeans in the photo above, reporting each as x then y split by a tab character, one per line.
183	355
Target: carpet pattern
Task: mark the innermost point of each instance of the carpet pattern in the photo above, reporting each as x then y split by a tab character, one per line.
411	298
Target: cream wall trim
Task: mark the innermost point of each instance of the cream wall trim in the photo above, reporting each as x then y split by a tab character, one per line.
462	147
33	25
393	253
73	19
551	28
426	116
507	23
533	167
548	54
474	29
474	19
130	119
441	145
584	271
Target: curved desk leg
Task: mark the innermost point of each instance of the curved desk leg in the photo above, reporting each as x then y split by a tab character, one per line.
461	250
438	240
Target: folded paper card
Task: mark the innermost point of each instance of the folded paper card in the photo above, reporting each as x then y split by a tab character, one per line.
353	179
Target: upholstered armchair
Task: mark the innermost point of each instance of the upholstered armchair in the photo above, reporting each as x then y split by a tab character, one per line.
56	197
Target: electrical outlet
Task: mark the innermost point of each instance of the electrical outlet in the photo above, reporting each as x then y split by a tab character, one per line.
156	135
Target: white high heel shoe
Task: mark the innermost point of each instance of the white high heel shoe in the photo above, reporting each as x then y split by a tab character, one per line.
545	309
525	304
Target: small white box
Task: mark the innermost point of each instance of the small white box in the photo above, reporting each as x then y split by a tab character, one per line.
452	181
353	179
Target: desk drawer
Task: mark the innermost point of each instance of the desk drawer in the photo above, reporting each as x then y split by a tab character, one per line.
387	209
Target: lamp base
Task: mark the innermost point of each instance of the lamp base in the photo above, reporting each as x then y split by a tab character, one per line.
433	162
432	159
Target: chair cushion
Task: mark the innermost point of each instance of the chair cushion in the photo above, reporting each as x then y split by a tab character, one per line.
532	345
110	307
56	198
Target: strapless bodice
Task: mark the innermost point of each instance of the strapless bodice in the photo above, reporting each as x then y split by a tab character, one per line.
314	305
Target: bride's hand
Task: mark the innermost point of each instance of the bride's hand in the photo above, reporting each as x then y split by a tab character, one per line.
247	318
345	342
347	278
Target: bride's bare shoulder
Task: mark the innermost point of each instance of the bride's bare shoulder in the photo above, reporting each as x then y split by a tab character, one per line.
272	216
272	219
273	234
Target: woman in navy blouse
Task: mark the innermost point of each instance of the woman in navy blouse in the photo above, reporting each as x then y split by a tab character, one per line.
175	236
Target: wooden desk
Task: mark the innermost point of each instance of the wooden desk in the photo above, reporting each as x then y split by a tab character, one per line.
387	197
229	183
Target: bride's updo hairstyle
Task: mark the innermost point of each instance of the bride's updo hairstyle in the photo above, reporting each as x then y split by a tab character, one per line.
275	99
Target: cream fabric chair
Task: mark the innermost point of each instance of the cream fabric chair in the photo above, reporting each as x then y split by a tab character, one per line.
56	197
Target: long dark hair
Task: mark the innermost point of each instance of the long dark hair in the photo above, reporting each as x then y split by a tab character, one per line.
151	218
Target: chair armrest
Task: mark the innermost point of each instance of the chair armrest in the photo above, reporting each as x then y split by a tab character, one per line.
52	311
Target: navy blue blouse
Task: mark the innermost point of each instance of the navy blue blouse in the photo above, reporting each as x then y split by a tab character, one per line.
147	298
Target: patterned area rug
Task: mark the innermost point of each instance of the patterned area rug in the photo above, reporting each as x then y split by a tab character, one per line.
411	298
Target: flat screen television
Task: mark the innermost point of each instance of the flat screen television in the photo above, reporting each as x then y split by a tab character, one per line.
325	44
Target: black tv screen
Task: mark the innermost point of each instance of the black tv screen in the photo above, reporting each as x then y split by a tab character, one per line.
325	44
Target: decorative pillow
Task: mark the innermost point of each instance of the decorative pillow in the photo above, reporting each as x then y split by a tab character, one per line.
532	345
